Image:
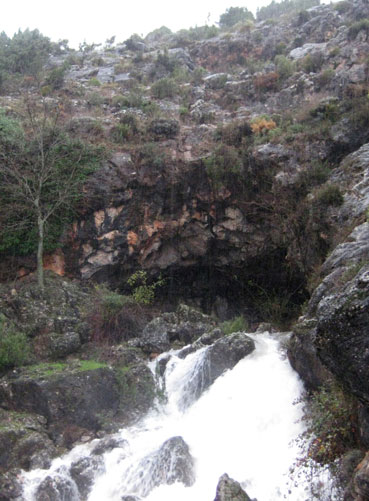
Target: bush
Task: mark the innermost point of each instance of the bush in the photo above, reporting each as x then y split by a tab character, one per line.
285	67
94	82
238	324
262	124
331	417
234	15
14	346
330	195
142	292
234	133
266	82
163	88
312	63
342	6
164	127
355	28
223	165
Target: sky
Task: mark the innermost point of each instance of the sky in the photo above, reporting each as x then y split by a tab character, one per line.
96	21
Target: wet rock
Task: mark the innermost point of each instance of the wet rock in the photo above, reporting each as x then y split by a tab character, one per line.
304	359
107	444
171	463
360	484
24	442
226	353
69	396
137	388
84	472
230	490
130	498
56	488
184	326
10	487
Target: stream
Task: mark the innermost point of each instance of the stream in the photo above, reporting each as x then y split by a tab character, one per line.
245	424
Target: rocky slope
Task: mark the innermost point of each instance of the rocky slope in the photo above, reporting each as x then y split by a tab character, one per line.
238	171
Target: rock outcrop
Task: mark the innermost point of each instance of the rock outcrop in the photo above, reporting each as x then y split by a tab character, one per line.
230	490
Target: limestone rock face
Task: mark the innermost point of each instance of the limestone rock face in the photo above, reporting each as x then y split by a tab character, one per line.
230	490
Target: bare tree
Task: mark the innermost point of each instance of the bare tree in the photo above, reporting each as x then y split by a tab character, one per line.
42	170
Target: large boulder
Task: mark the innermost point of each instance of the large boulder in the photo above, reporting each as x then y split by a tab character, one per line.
171	463
56	488
230	490
86	395
84	472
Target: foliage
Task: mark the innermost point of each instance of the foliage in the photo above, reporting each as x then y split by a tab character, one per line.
277	9
24	54
266	81
331	421
285	67
142	292
312	63
41	172
262	124
223	165
237	324
185	37
120	133
329	195
94	82
14	346
234	15
55	78
152	154
233	134
355	28
164	88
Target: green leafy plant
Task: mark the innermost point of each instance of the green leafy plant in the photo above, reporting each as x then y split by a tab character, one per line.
237	324
14	346
164	88
142	292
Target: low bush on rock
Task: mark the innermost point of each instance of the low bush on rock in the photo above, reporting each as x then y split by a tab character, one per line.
237	324
14	347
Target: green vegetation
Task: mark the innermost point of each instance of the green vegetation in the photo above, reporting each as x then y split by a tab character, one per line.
355	28
14	346
331	418
330	195
41	173
285	67
223	164
238	324
277	9
164	88
142	292
234	15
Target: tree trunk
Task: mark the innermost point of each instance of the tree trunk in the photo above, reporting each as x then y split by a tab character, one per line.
40	252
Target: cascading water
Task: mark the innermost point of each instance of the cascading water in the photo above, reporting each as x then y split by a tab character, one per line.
245	425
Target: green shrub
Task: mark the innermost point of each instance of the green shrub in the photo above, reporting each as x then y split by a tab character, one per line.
164	88
55	78
342	6
312	63
233	134
355	28
238	324
285	67
142	292
120	133
330	195
223	164
94	82
14	346
234	15
330	415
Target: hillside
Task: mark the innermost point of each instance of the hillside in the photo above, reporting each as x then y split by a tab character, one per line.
226	168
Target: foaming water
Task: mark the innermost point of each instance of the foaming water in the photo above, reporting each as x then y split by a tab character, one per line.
245	425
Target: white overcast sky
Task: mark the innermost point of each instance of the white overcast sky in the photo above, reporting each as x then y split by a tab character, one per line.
95	21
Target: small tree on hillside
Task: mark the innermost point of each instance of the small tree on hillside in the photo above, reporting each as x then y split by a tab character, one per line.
234	15
41	174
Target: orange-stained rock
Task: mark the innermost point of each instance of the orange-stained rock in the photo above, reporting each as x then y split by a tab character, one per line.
55	262
132	238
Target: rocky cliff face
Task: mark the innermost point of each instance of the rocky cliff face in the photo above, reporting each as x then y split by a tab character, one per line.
238	169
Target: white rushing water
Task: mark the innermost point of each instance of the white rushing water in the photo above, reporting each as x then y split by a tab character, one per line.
245	425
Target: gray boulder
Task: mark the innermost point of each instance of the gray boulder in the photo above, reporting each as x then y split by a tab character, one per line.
230	490
84	472
171	463
57	488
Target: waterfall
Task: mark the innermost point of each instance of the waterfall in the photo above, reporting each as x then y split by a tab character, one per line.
245	424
